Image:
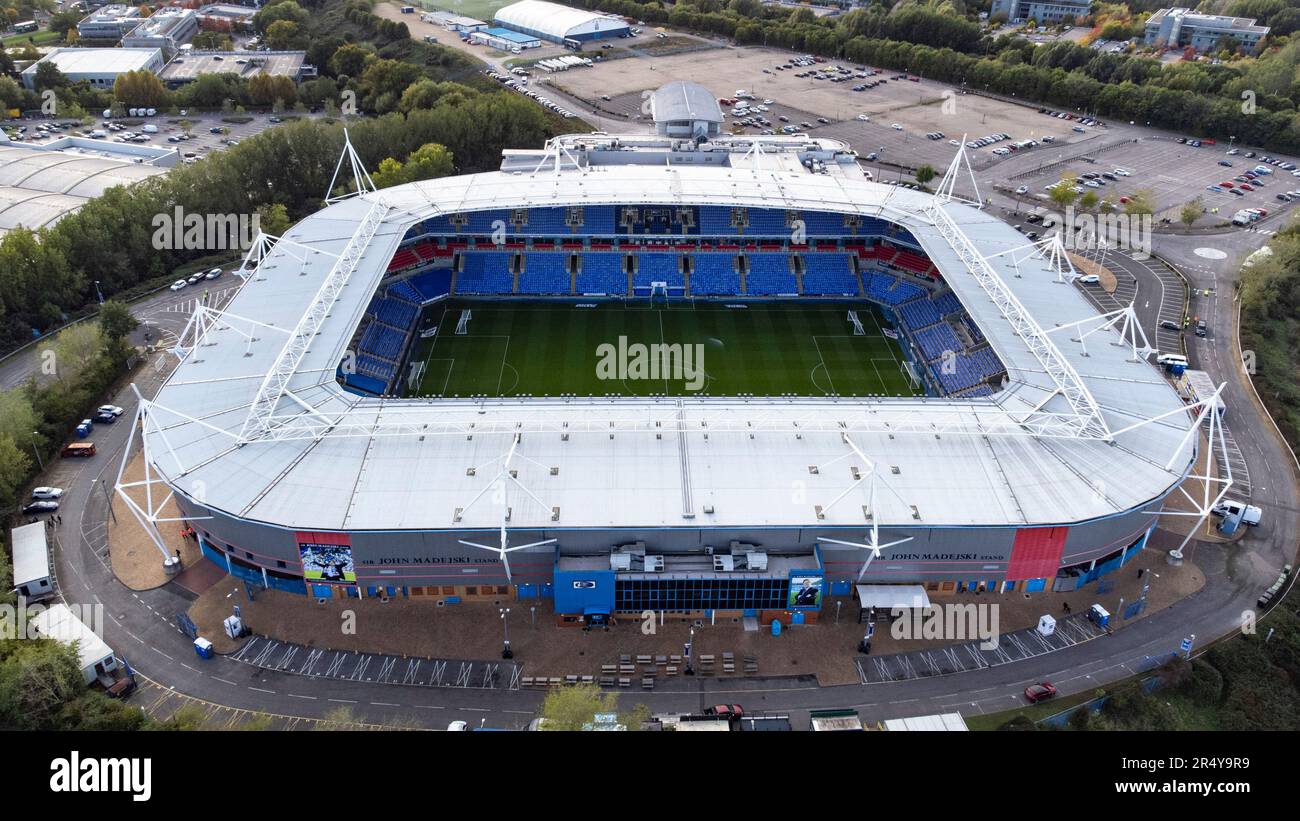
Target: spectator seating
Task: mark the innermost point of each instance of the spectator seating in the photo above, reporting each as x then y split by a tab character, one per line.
822	224
486	272
714	273
432	284
602	273
404	258
395	313
544	222
715	219
382	341
770	274
919	313
767	222
405	290
947	303
545	273
598	220
828	274
657	266
936	341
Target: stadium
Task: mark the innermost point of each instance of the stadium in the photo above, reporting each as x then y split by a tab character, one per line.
629	373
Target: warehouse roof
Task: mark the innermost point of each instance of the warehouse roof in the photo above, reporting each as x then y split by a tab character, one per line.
682	100
554	20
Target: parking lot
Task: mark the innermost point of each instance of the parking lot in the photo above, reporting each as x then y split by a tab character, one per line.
919	107
202	142
1174	173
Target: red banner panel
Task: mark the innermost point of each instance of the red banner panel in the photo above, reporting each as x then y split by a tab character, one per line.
1036	553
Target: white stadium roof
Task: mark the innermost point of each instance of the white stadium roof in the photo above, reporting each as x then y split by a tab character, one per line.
554	20
329	459
38	187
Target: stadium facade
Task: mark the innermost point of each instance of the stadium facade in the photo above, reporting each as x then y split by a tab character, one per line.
1038	458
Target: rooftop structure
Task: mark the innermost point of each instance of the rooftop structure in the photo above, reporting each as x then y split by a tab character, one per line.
557	23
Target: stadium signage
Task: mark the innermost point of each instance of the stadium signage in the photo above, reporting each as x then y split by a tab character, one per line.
947	557
430	560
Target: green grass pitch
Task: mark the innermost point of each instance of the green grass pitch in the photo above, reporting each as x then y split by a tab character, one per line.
559	348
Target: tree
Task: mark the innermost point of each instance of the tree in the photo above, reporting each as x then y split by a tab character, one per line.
15	468
573	707
349	60
36	679
1063	193
1191	212
925	173
73	350
1141	201
285	35
426	162
49	76
273	218
140	88
115	320
1089	200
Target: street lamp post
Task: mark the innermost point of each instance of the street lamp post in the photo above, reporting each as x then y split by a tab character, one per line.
39	461
99	293
690	654
506	652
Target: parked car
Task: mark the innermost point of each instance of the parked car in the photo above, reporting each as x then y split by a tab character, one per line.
179	284
1170	325
47	493
78	449
1089	279
1040	692
113	409
104	418
37	508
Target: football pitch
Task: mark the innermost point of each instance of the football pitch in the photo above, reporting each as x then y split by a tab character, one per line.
511	349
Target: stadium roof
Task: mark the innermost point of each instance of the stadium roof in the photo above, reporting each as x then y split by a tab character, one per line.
38	187
553	20
339	461
683	100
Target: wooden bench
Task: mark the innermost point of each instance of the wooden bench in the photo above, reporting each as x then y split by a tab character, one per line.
588	679
526	681
627	669
643	660
647	682
570	679
606	681
555	681
660	661
608	669
625	682
670	670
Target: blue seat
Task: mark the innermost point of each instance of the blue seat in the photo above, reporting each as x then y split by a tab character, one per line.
714	274
545	272
770	274
658	267
486	272
432	284
602	273
826	273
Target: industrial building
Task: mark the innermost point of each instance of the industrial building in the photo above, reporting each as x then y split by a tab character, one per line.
100	67
190	65
454	22
168	29
40	184
504	39
33	579
558	24
317	478
94	657
239	18
1180	27
1041	11
684	109
111	22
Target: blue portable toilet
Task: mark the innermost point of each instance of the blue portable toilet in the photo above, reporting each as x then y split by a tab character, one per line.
203	648
796	618
776	627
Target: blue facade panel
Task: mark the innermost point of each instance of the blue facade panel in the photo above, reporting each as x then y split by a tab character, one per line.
578	590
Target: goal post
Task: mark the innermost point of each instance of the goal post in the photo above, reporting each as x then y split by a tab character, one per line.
858	330
462	326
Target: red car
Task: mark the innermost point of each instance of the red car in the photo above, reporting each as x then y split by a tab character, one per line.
1040	692
732	711
1246	187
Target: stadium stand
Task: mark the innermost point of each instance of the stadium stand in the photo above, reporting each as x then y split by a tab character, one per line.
767	222
937	340
947	303
769	274
715	274
485	272
598	220
918	314
716	220
405	290
818	224
658	267
432	284
829	274
545	273
544	222
602	273
404	258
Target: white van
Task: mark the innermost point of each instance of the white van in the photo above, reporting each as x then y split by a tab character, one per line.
150	129
1250	514
1168	359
